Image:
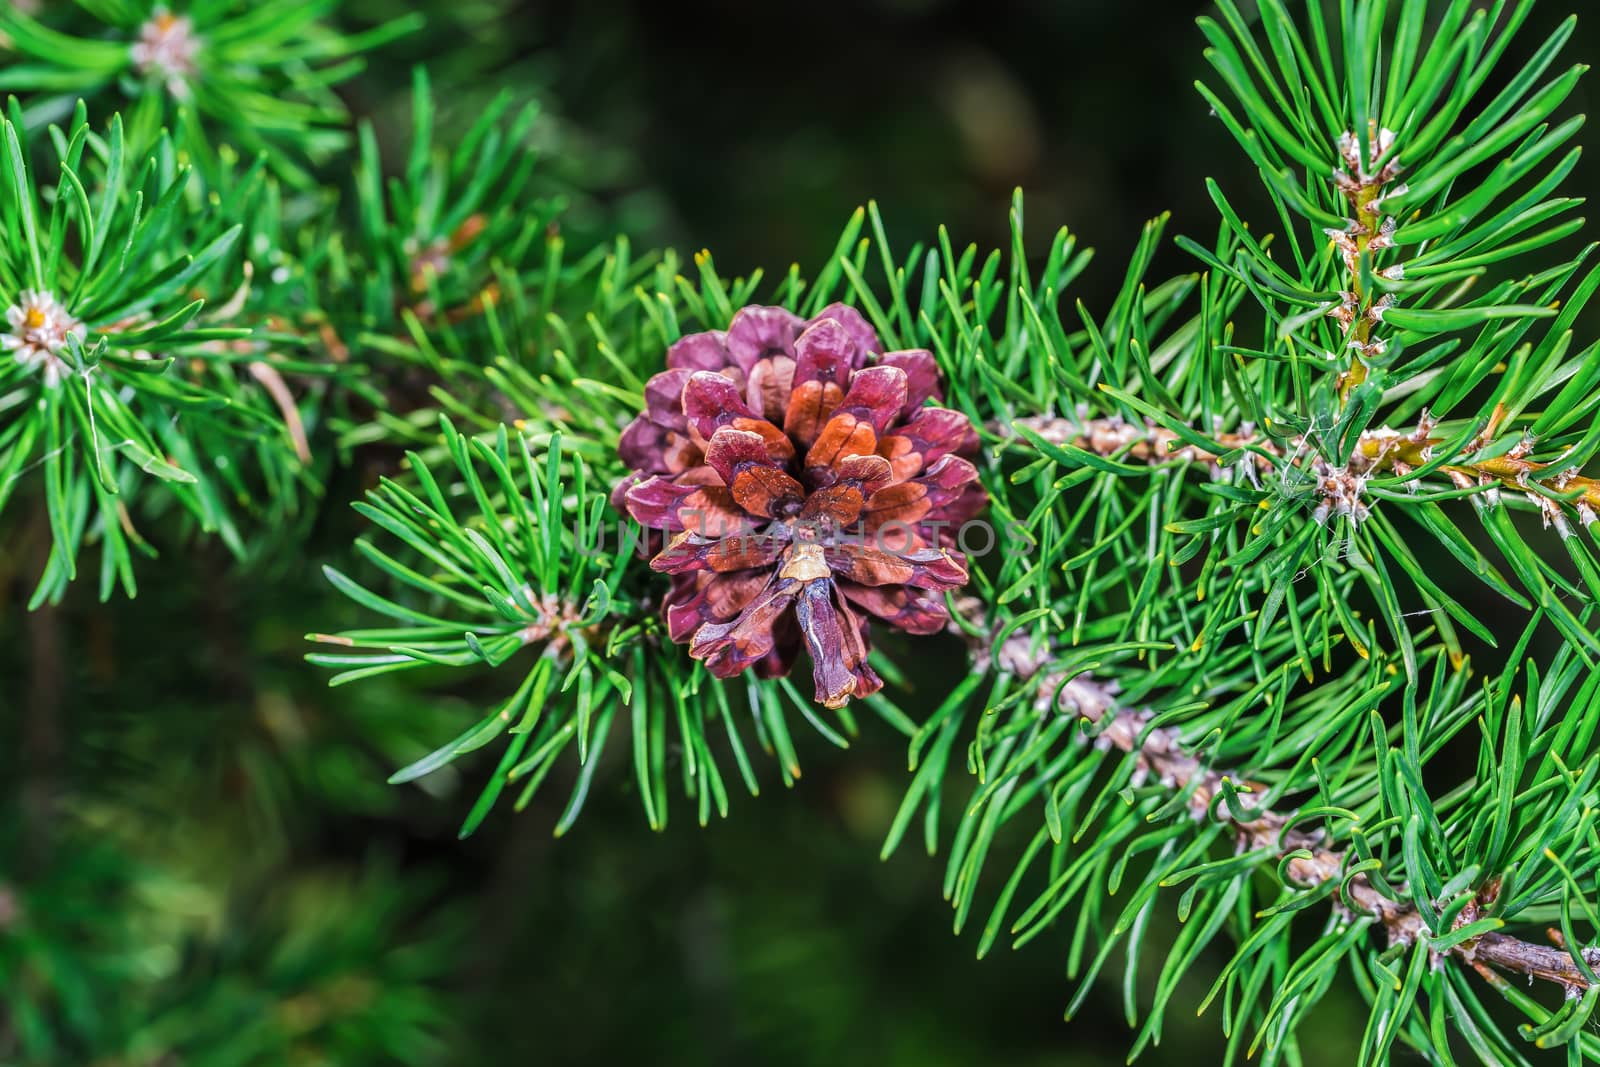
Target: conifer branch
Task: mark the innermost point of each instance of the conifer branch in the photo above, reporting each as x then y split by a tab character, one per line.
804	473
1546	484
1305	857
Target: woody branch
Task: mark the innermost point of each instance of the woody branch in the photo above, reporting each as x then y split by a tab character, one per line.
1161	756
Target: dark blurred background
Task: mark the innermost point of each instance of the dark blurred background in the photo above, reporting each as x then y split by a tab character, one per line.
775	937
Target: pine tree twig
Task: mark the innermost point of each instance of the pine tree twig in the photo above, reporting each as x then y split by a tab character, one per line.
1378	451
1364	184
1161	756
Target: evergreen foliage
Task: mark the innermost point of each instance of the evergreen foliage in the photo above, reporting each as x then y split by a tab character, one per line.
1218	671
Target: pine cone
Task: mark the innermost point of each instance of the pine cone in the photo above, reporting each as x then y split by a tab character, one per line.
805	488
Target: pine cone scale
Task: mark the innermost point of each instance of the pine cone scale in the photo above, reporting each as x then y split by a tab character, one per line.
805	488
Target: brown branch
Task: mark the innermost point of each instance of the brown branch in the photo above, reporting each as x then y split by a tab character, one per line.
1379	451
1160	755
1508	954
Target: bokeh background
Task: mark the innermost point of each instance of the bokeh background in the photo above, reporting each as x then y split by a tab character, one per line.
193	811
